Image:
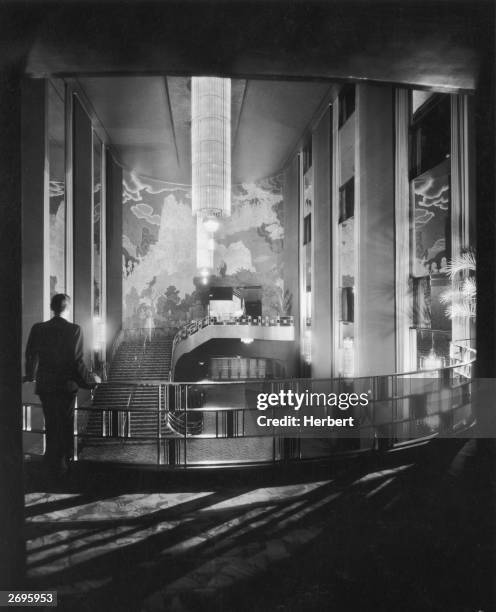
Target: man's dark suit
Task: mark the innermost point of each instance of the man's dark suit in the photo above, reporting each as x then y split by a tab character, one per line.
55	352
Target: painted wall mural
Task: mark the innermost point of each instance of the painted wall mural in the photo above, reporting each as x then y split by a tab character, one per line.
57	211
432	200
160	273
57	237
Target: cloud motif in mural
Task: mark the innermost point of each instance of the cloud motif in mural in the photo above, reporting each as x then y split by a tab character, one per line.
134	186
432	191
253	206
438	247
275	231
236	257
56	189
442	203
422	217
145	211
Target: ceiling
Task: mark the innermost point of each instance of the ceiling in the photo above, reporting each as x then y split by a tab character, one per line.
147	120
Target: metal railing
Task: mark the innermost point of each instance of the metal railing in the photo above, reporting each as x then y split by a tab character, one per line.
194	326
215	423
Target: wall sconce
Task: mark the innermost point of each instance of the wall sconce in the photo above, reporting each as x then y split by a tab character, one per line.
432	362
211	225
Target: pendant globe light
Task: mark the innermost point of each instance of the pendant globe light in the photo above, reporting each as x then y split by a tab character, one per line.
211	149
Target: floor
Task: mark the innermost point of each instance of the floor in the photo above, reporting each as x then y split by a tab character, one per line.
410	531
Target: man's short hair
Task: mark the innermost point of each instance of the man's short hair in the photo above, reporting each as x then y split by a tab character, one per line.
59	303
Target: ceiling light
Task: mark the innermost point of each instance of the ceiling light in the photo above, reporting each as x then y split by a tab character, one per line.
211	147
211	225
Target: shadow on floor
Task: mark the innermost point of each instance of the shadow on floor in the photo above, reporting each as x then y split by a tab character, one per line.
407	531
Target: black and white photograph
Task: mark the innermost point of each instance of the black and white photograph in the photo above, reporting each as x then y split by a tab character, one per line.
248	305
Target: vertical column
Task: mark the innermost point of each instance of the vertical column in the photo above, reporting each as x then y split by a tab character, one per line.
82	238
321	290
291	252
35	304
345	218
376	241
486	215
402	231
460	197
12	547
113	247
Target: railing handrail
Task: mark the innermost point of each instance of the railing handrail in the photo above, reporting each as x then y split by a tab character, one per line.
194	326
337	379
183	410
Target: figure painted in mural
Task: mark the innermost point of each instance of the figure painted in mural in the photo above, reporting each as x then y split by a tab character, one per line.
54	358
149	324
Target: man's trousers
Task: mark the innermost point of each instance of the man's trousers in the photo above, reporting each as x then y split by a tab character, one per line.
58	408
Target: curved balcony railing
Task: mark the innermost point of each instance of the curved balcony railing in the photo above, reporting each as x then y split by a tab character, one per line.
190	425
192	328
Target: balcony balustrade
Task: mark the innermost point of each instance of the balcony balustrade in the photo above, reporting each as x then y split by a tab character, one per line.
188	425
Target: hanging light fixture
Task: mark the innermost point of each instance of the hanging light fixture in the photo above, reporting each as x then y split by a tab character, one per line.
433	361
211	149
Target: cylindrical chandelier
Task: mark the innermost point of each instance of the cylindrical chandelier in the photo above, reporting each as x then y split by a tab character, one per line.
211	149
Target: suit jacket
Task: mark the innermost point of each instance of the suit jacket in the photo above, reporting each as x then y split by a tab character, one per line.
55	353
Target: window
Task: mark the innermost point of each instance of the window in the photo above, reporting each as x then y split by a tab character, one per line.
305	215
430	135
347	200
430	220
307	157
307	229
347	305
346	104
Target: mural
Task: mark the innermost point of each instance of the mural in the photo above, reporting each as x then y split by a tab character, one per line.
57	212
57	237
160	273
431	246
432	200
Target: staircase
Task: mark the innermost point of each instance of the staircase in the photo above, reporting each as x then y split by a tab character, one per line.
146	360
142	359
